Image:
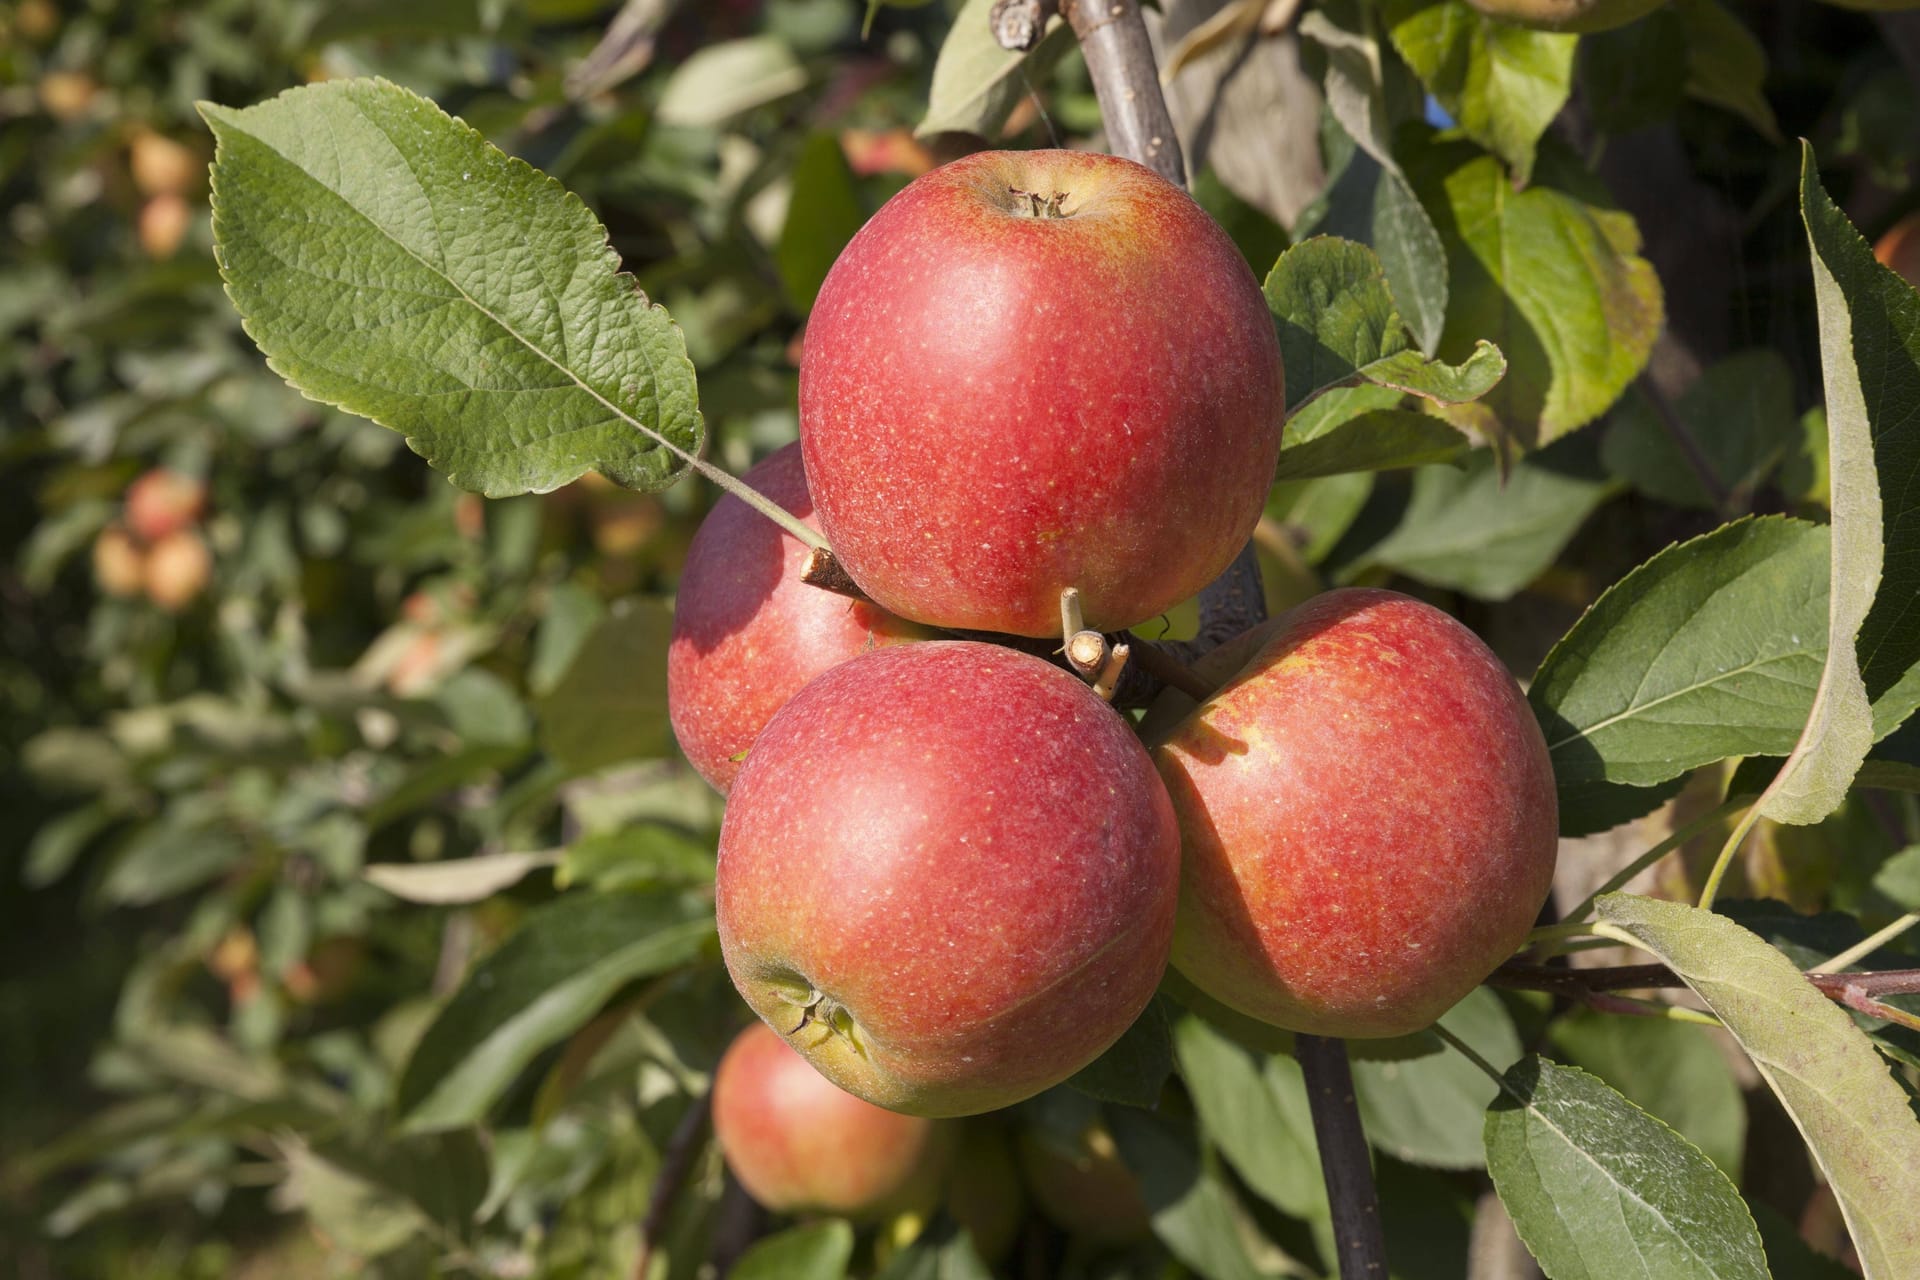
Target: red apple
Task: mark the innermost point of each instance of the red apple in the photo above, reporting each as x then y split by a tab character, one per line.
162	501
747	633
1899	249
163	225
1367	817
1088	1190
798	1143
119	565
1034	370
947	875
177	569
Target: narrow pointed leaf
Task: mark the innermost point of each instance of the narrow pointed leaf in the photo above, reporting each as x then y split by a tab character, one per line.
1600	1190
1855	1119
389	260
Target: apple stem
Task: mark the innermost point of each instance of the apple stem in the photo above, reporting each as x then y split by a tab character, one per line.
1345	1164
824	570
759	502
1072	619
1109	677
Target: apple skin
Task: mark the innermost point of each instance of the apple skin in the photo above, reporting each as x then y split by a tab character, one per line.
1899	249
119	564
163	501
1090	1192
1368	820
948	876
997	404
798	1143
747	633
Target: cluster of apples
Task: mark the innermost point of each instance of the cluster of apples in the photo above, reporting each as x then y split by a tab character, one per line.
156	549
950	873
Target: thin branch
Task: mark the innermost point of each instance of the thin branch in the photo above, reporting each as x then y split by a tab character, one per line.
1019	24
1859	991
1113	40
1358	1238
1683	440
676	1163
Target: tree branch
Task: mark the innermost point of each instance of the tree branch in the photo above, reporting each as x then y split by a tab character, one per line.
1344	1162
1113	40
1859	991
675	1164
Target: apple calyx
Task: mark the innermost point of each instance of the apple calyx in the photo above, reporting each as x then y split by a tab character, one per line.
833	1017
1044	206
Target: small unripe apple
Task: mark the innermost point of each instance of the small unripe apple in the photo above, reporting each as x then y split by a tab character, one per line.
799	1143
1899	249
164	167
1585	16
747	633
163	225
1368	820
163	501
1087	1191
177	570
119	565
947	875
1035	370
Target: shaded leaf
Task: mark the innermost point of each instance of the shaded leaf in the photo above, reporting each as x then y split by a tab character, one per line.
976	83
641	856
1134	1068
1253	1107
1899	878
1194	1211
456	879
942	1252
1726	64
1709	650
611	705
1383	440
1429	1108
1739	415
1600	1190
817	1251
390	261
1856	1120
822	215
541	985
1669	1069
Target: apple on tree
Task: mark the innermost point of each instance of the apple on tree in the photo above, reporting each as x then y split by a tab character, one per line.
1037	370
798	1143
748	634
177	569
1368	820
163	501
947	875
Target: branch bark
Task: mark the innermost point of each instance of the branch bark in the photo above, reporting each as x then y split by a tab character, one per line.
1859	991
1113	40
1359	1240
675	1166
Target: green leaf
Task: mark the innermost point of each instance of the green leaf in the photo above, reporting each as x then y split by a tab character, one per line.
1726	64
641	856
167	857
1194	1210
822	215
1899	878
817	1251
1739	417
1876	392
1404	236
1600	1190
1253	1107
1590	806
540	986
1466	530
1383	440
1316	514
1670	1069
1338	327
611	705
1134	1069
1502	83
1428	1109
1839	728
1553	275
1709	650
976	83
1855	1119
722	80
456	879
389	260
943	1252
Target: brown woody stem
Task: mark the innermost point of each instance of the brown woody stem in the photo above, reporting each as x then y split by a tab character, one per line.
1359	1240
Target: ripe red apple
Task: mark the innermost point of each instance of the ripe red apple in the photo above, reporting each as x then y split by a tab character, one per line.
163	501
797	1142
1088	1190
177	569
1034	370
747	633
1368	820
1899	249
119	565
947	875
